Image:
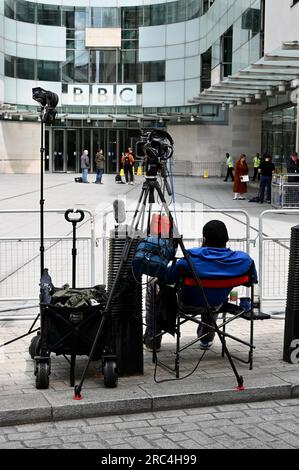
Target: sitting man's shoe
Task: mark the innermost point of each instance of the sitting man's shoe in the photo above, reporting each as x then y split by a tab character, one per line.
150	347
205	346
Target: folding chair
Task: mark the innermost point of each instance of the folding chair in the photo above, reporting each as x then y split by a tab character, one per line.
185	314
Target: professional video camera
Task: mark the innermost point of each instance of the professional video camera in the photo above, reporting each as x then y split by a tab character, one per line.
156	147
48	101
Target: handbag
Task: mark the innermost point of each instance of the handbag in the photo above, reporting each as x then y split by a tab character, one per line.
244	178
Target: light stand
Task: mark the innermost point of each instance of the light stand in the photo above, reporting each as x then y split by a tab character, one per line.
48	101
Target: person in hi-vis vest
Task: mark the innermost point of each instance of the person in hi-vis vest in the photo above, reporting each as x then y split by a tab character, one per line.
229	167
256	165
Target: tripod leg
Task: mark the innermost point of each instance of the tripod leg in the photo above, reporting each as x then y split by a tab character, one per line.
213	321
124	255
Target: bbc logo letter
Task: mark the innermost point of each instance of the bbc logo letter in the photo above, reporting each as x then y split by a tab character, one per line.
295	353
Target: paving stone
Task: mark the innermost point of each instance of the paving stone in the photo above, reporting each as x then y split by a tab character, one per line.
42	443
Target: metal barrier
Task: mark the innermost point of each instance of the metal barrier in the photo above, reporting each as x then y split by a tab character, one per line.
20	260
274	254
285	191
237	243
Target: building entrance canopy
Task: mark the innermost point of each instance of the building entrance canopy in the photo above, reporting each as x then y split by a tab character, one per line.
274	73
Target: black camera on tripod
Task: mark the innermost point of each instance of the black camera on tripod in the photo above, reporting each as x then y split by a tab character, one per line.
48	101
156	147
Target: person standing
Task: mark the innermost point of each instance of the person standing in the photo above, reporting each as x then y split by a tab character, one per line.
229	167
256	165
84	166
293	167
266	171
128	162
100	165
241	178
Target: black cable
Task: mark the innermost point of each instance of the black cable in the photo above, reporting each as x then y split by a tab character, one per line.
180	378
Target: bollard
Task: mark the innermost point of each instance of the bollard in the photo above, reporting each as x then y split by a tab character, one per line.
291	331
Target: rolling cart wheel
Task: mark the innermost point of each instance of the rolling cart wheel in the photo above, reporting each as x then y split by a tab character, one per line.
110	374
42	375
34	346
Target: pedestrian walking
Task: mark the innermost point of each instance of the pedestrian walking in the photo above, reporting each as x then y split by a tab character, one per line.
100	166
241	178
84	166
256	165
229	167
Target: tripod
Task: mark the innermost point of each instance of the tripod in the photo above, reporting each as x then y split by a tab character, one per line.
150	188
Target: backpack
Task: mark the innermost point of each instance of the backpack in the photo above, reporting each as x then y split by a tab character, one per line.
152	256
78	179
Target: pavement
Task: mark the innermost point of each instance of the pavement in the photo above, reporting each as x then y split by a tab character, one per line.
212	384
259	425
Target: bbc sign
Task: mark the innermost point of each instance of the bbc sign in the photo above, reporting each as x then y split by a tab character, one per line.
100	95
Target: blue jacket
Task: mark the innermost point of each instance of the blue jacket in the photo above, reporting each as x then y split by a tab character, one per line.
211	263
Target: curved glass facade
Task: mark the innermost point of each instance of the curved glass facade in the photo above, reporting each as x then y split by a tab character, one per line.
168	51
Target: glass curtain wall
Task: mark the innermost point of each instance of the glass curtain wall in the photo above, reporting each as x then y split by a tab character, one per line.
279	134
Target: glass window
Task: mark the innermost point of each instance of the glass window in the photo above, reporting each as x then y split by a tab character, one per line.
48	70
68	67
154	71
131	17
9	9
131	70
26	11
81	18
81	66
130	34
206	69
128	44
103	66
49	15
9	66
104	18
193	9
227	52
25	68
154	15
176	12
251	20
68	17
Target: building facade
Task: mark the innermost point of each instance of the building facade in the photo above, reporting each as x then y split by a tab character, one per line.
120	66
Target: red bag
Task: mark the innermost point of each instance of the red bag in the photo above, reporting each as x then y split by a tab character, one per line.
160	226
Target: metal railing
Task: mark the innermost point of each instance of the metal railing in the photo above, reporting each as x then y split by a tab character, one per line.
241	242
20	259
285	191
274	253
20	269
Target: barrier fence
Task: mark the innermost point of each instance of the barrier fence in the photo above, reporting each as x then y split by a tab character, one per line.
285	191
20	256
274	253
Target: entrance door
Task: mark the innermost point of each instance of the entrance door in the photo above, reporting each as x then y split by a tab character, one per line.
112	151
58	154
71	151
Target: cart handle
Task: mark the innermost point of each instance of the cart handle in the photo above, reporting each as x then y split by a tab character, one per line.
74	212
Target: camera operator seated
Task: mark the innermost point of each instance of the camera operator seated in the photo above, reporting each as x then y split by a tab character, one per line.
211	261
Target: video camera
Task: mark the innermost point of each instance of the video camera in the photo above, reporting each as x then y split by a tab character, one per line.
156	147
48	101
